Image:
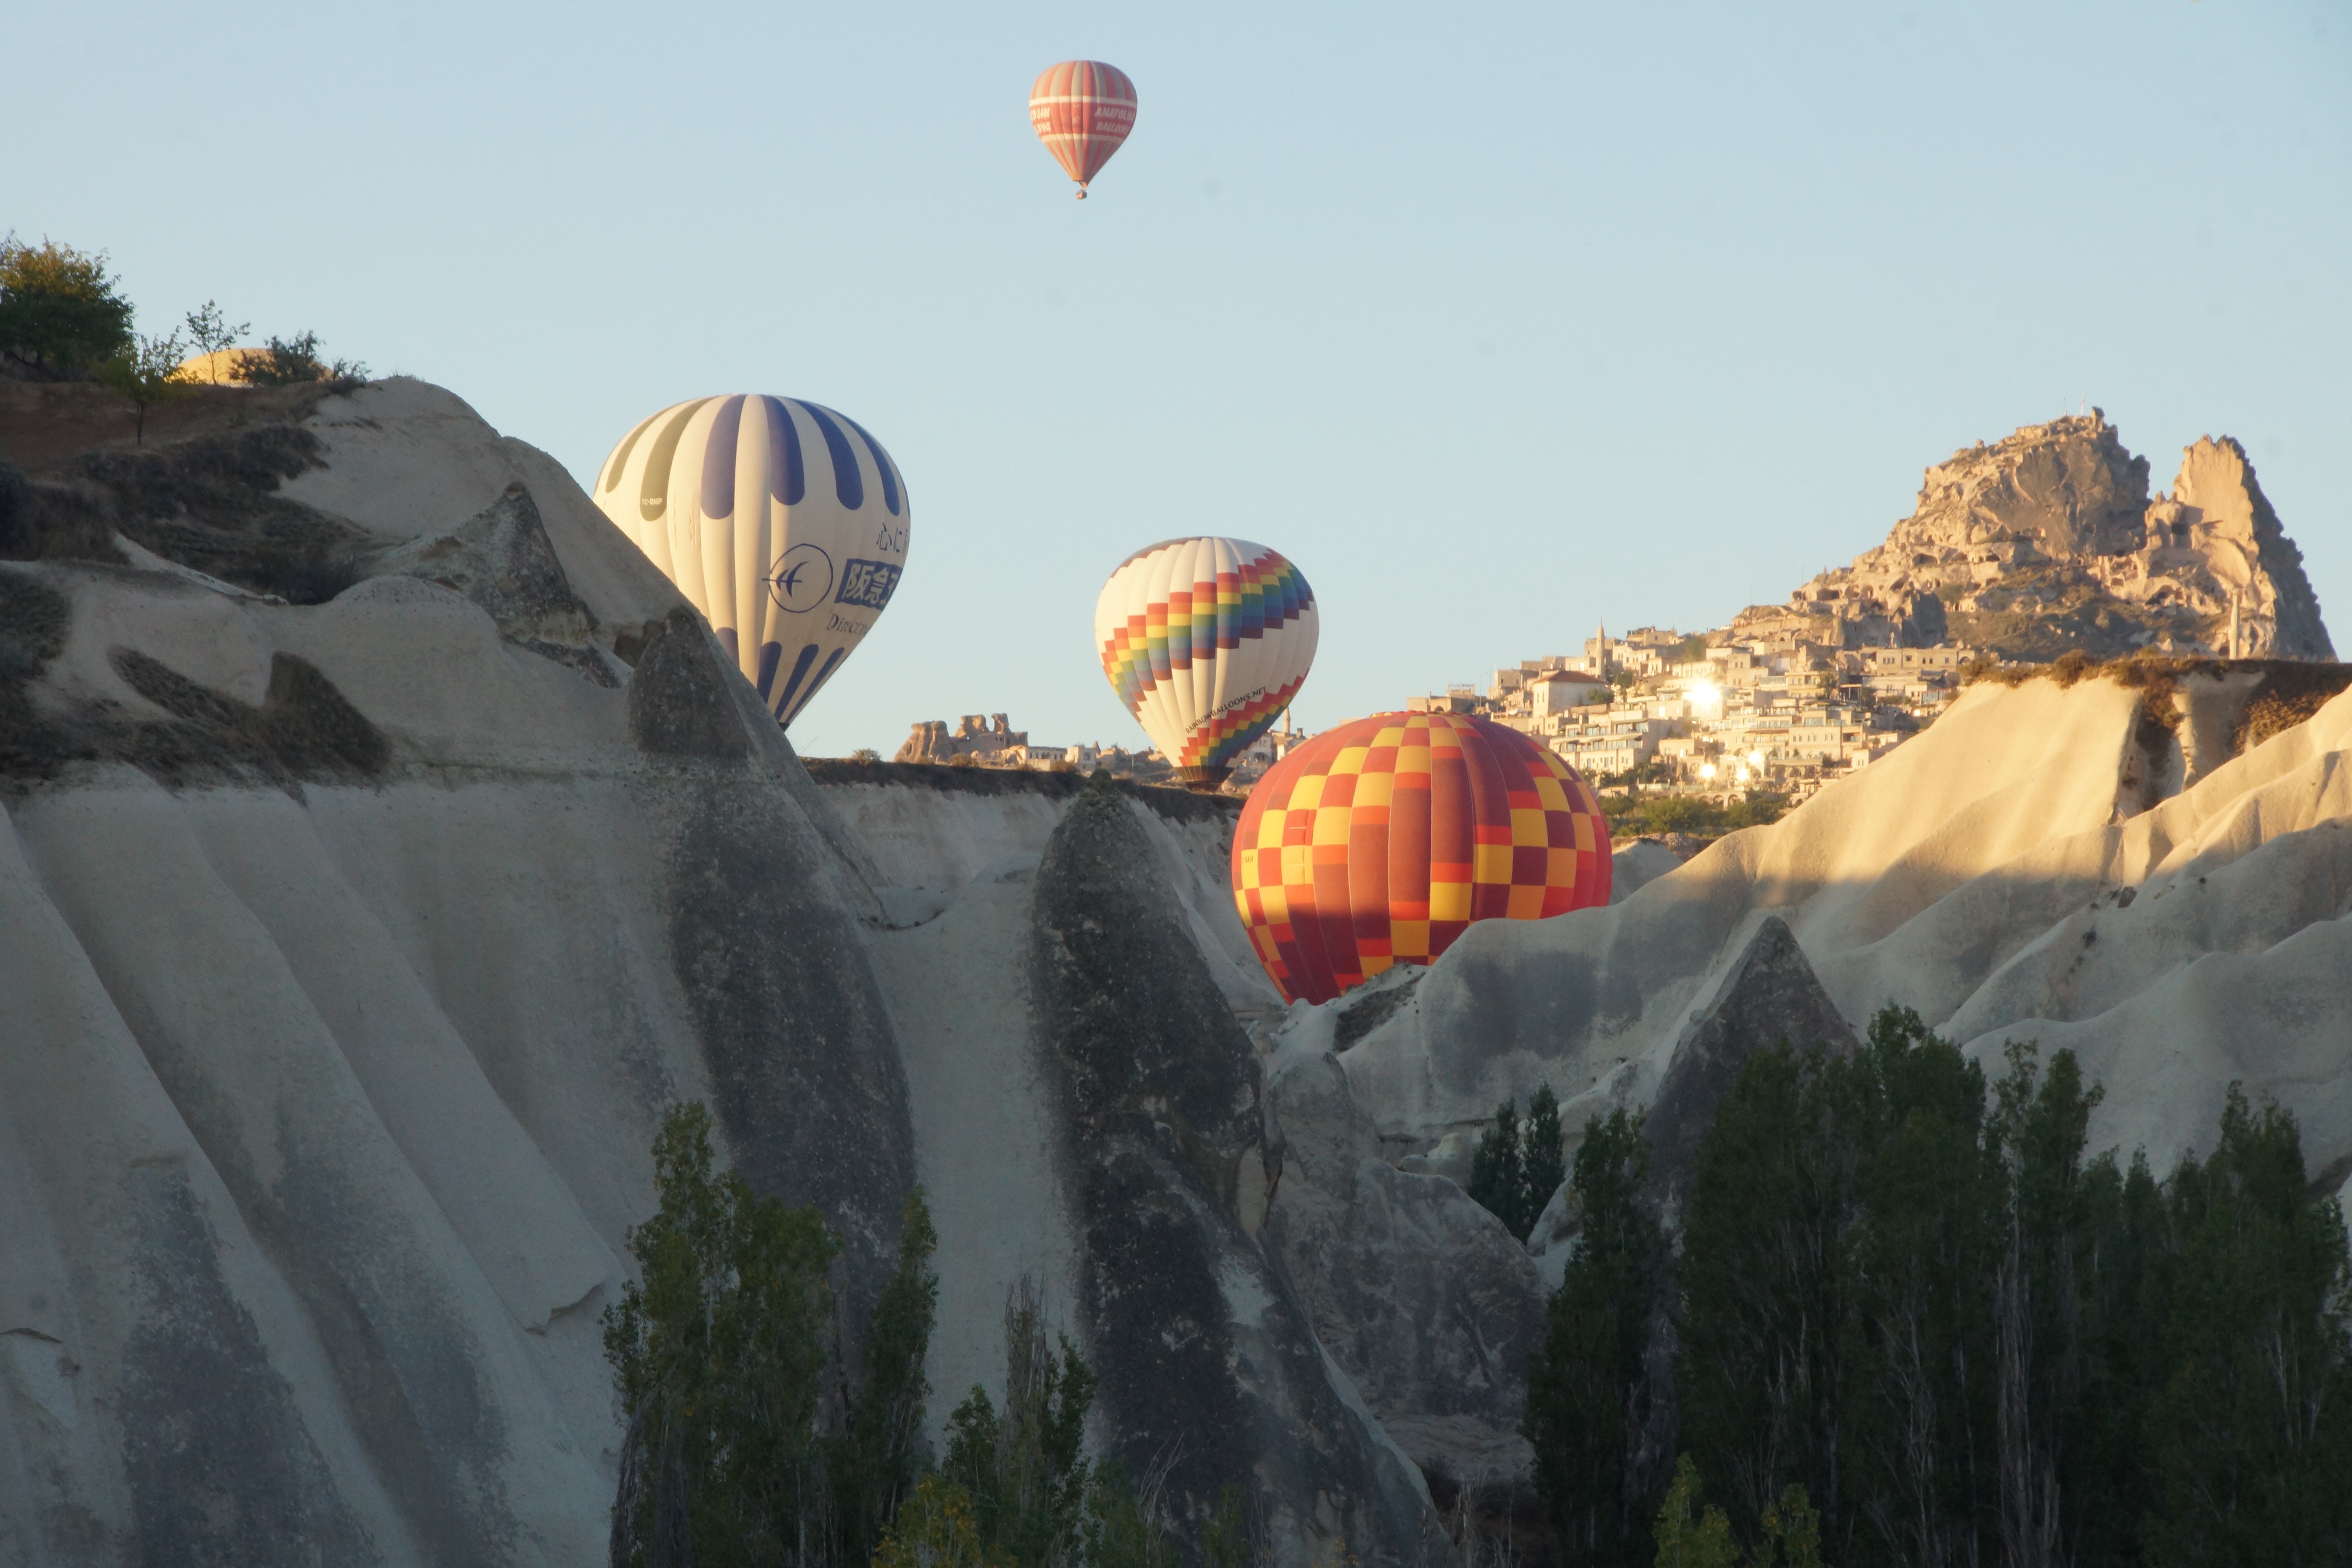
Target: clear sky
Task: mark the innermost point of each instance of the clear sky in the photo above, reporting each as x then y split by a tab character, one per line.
1497	320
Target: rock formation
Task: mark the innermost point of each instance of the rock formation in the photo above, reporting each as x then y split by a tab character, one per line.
2047	541
386	849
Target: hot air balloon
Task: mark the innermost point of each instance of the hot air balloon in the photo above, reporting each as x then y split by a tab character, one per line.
1082	111
1381	841
784	523
1206	641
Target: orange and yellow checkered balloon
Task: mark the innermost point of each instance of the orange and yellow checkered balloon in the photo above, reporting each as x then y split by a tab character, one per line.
1381	841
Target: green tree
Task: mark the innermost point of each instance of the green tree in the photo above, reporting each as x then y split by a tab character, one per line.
1512	1172
60	312
1026	1466
147	372
1587	1388
1687	1537
719	1355
1495	1168
212	333
877	1456
2250	1439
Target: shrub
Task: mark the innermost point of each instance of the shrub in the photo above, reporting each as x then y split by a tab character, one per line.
59	312
289	362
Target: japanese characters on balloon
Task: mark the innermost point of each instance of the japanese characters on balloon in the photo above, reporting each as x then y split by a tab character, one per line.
1082	111
782	522
1381	841
1205	640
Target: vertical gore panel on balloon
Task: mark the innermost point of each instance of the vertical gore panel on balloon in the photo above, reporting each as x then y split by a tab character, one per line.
718	460
653	490
881	465
817	683
620	458
787	480
849	484
799	674
771	654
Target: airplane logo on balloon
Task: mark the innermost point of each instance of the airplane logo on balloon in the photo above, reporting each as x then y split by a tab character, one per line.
801	578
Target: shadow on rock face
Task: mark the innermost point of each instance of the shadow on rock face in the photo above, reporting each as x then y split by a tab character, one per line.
304	730
679	703
1204	1355
804	1067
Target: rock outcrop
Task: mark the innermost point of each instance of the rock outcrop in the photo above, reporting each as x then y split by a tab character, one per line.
1208	1364
1425	1301
2012	874
2046	543
386	849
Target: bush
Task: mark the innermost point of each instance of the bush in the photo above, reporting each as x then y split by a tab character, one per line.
59	312
289	362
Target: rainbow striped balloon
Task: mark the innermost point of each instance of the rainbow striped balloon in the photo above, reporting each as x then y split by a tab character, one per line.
784	523
1206	641
1082	111
1381	841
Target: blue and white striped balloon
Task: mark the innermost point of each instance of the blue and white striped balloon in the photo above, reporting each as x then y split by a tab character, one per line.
784	523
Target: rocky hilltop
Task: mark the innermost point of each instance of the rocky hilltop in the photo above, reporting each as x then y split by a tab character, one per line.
384	849
2047	541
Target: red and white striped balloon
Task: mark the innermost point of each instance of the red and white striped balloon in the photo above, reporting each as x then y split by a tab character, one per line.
1082	111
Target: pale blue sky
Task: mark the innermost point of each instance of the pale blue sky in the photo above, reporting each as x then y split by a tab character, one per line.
1496	319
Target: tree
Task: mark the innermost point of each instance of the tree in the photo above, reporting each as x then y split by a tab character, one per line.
1513	1174
1689	1538
719	1355
2249	1440
147	372
59	310
1025	1466
1587	1386
211	334
877	1457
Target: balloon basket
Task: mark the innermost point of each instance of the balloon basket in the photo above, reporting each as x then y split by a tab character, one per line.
1082	193
1203	781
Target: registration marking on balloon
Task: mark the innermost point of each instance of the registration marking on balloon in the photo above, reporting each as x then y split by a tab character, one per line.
1082	111
784	522
1381	841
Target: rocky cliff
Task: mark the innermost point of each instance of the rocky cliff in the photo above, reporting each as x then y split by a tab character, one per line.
386	849
2047	541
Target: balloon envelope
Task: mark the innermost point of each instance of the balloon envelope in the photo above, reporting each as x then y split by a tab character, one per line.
1082	111
782	522
1206	641
1381	841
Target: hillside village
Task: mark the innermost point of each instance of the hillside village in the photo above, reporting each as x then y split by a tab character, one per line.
2019	551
